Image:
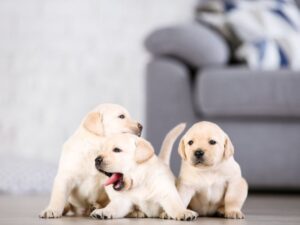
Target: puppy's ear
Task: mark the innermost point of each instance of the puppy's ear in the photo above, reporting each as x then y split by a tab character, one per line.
93	123
228	148
143	151
181	149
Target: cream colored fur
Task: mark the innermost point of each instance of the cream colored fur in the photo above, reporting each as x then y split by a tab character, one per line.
78	186
215	185
150	184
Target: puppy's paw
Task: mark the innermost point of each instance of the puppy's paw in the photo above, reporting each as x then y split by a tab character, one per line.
50	214
234	214
220	212
136	214
164	216
187	215
101	214
94	206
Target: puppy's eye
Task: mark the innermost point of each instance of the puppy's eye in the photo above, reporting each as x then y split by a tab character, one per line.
212	142
117	150
190	142
122	116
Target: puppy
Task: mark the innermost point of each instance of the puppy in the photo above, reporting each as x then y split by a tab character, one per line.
140	180
78	186
210	180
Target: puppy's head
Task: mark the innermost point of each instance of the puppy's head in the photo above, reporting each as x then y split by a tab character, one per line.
205	144
107	119
120	156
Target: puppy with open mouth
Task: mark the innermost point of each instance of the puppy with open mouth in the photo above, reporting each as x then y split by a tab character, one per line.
210	180
138	179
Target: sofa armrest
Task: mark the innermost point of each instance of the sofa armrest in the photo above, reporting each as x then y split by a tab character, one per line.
193	43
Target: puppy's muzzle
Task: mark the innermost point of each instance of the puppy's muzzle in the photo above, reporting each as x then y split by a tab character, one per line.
140	129
199	154
98	162
99	165
140	126
115	178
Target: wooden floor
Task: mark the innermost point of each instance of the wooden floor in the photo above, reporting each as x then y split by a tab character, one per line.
258	209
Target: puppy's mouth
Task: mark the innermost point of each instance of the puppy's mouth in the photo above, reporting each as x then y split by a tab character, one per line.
201	163
137	133
116	179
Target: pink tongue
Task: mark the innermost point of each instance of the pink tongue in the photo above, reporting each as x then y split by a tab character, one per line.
115	177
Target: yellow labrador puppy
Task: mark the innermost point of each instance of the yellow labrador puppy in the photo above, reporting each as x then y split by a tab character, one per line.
77	185
138	179
210	180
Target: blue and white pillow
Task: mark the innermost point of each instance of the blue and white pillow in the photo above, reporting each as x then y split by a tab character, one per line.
268	30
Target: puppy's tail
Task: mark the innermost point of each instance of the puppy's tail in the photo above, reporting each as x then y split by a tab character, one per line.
167	145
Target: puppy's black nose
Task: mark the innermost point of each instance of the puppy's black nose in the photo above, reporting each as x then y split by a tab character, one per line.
98	161
199	154
140	126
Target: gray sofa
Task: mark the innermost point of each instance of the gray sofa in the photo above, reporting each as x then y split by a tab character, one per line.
190	79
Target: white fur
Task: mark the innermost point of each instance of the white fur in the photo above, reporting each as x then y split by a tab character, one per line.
152	184
78	186
215	186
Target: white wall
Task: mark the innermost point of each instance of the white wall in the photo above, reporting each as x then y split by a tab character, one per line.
60	58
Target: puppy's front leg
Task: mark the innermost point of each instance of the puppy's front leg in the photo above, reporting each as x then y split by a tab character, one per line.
136	214
61	189
117	208
235	197
186	192
175	208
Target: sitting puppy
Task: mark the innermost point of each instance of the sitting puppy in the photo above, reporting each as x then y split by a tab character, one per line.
77	186
210	180
140	180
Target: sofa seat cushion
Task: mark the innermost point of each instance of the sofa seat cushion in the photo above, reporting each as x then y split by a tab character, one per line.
246	93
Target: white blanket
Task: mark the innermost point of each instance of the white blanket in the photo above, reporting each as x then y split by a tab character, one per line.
268	31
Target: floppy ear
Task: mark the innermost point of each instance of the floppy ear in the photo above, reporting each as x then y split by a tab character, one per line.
93	123
181	149
228	148
143	151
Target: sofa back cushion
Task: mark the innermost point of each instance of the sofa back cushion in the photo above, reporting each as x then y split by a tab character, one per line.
240	92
